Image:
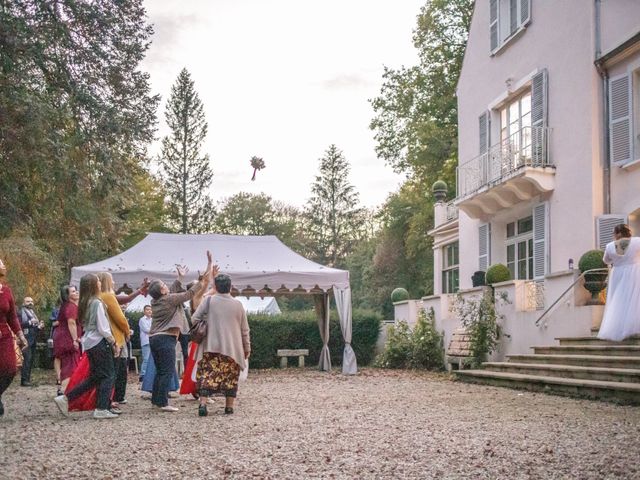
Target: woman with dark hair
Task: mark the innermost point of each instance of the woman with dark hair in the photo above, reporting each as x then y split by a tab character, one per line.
8	323
223	353
622	312
100	346
168	319
66	338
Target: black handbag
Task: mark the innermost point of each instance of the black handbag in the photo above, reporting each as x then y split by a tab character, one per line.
198	331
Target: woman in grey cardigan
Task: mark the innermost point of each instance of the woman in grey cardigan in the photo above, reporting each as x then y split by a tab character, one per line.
223	354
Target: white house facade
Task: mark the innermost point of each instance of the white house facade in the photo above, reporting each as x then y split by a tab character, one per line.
549	159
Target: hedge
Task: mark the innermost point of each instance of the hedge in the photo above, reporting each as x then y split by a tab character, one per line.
299	329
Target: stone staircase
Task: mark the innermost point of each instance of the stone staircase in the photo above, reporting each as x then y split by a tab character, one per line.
585	367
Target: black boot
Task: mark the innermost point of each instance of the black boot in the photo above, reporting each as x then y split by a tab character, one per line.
1	408
202	411
228	410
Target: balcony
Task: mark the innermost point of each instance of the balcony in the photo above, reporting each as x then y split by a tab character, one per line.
512	171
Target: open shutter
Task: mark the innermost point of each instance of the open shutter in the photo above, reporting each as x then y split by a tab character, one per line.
484	246
525	12
493	23
620	136
513	16
539	101
540	219
604	228
484	126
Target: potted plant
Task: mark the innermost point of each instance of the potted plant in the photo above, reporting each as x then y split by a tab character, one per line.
497	273
399	295
478	279
595	282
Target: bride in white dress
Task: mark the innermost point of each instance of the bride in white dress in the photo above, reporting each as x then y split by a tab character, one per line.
622	311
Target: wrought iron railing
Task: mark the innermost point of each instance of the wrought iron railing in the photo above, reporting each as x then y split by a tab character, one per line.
526	148
451	211
604	270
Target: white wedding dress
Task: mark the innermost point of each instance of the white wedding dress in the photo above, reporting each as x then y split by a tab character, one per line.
622	311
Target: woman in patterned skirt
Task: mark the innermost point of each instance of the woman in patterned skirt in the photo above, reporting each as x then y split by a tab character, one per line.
223	354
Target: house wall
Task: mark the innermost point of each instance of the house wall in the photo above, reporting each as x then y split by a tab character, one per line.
573	115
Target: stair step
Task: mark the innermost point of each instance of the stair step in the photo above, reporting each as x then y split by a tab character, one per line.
629	375
596	341
611	350
621	392
580	360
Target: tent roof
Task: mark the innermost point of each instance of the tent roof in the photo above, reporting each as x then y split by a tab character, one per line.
252	262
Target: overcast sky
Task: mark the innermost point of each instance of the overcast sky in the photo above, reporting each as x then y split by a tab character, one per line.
284	79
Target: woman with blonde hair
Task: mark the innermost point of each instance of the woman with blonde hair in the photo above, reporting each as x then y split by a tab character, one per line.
121	333
100	346
622	311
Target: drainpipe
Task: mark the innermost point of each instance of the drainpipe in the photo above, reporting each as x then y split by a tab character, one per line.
604	74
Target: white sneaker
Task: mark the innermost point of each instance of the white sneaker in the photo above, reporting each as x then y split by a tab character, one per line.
99	414
174	394
63	404
169	408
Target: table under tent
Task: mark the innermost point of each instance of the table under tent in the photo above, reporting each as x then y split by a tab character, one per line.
259	266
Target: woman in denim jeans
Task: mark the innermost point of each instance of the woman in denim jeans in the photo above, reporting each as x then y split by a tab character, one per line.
168	319
100	346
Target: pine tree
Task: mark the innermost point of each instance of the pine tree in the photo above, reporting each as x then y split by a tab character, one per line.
186	171
333	217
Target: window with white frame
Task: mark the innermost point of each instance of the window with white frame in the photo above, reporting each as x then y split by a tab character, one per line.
506	18
515	125
450	268
520	248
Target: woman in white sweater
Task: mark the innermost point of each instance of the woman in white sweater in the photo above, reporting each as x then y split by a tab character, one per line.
223	354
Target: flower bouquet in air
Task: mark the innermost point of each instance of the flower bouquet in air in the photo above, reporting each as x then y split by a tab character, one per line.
258	164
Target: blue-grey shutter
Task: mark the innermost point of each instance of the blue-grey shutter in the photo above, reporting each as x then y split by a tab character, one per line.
539	102
604	228
620	125
540	219
513	16
484	127
493	24
525	11
484	246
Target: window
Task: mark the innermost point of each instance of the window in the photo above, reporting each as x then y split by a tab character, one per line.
515	128
450	270
624	118
506	18
520	248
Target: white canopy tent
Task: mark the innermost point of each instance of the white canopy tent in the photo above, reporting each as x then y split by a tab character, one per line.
266	305
258	265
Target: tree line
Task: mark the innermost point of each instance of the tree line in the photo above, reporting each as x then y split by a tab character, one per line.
77	116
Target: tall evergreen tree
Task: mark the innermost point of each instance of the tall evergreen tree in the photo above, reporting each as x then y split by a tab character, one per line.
334	220
186	171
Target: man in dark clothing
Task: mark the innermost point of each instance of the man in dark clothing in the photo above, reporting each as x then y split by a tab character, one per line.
30	327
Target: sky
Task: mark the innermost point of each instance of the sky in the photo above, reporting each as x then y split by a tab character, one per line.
283	80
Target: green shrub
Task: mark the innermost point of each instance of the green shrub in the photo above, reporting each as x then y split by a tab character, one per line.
299	329
397	350
399	295
417	348
590	260
498	273
427	350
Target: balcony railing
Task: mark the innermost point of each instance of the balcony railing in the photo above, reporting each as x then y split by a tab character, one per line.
451	212
525	148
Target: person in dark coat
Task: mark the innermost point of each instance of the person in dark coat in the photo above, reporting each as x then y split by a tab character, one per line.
31	326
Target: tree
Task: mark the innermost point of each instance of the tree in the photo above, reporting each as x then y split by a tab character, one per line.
416	122
186	171
333	219
76	115
258	214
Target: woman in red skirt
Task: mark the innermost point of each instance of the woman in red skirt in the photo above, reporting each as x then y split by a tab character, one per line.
66	338
8	323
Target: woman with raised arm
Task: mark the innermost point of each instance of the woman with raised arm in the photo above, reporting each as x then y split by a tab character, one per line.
8	323
168	319
622	311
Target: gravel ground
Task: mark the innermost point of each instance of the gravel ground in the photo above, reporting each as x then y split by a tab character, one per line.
306	424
